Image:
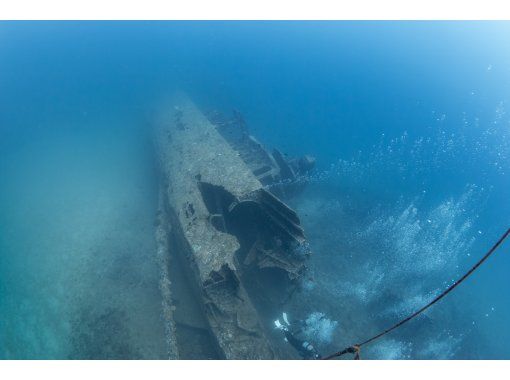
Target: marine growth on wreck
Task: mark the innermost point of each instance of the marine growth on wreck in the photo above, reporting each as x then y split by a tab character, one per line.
225	224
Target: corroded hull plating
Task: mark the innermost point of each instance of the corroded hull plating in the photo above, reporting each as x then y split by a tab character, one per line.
242	249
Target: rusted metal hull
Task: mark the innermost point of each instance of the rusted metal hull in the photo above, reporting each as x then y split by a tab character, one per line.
242	249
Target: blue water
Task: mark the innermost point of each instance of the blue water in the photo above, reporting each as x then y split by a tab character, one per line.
409	125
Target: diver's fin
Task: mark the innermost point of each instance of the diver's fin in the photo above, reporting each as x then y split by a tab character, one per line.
284	316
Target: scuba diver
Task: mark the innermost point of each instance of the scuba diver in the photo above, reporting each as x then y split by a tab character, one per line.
304	348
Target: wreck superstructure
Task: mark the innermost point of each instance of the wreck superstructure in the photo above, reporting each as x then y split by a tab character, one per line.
240	251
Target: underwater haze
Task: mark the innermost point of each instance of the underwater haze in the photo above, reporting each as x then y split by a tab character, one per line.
410	126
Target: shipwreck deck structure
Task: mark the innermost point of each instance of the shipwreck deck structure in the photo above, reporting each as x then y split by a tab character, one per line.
236	252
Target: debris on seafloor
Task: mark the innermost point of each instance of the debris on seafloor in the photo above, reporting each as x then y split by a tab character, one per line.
236	253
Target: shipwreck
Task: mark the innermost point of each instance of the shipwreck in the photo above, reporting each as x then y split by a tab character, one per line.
232	252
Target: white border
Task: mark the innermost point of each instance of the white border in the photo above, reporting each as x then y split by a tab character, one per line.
254	9
256	370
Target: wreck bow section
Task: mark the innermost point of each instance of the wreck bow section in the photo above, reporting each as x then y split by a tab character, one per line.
243	248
